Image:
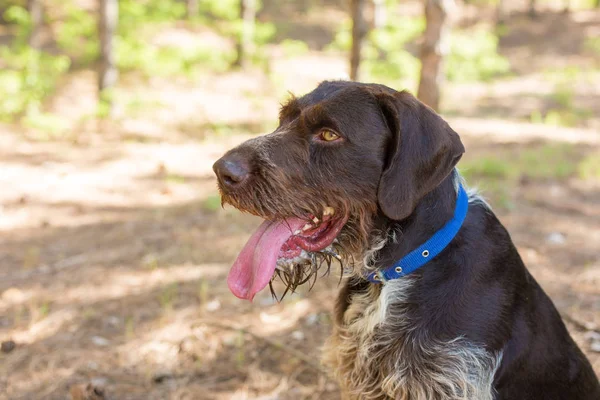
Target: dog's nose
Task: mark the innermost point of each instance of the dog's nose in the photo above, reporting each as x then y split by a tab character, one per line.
231	170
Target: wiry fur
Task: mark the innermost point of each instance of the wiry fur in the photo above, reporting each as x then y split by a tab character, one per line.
369	256
277	195
475	197
470	325
377	352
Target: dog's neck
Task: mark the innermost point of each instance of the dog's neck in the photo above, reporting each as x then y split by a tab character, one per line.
430	215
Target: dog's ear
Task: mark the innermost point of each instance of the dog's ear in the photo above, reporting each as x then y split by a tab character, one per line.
422	151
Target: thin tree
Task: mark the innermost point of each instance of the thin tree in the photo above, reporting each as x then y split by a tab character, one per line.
245	40
359	33
378	16
191	8
433	50
532	11
500	11
107	71
36	13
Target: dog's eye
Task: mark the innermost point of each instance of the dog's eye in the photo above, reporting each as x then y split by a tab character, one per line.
328	135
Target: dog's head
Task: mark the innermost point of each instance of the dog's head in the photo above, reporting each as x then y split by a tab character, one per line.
343	156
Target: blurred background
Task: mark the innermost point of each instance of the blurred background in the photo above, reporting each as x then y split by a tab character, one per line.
114	248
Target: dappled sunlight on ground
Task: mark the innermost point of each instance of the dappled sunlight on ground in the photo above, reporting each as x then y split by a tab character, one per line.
114	247
138	285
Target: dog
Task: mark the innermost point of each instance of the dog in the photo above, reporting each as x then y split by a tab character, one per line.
436	302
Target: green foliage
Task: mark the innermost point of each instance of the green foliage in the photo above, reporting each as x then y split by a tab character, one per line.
224	16
294	48
77	34
27	75
564	74
343	37
139	21
212	203
134	13
51	125
264	32
489	167
561	117
42	311
589	167
563	96
135	54
474	57
549	161
483	2
396	66
473	54
104	107
499	173
583	5
168	296
19	16
562	109
221	9
385	58
175	178
593	44
397	31
138	104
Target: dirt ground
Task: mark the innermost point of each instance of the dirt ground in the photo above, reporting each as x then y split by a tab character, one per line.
114	248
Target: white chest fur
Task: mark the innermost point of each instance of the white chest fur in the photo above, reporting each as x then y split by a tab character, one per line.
376	353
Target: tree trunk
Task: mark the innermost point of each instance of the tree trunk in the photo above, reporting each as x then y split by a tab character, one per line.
191	8
36	12
376	12
379	13
532	12
245	42
500	12
433	50
359	33
107	72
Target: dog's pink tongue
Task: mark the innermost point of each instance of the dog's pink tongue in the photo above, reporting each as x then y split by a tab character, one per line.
255	265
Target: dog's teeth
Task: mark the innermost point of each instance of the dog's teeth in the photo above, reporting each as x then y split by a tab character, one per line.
297	232
316	220
328	211
307	227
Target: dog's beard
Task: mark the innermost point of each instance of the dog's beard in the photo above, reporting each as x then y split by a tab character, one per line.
273	200
342	255
306	269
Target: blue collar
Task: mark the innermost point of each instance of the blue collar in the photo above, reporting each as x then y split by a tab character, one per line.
431	248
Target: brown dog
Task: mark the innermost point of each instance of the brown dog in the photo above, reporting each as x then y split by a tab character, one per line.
365	174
